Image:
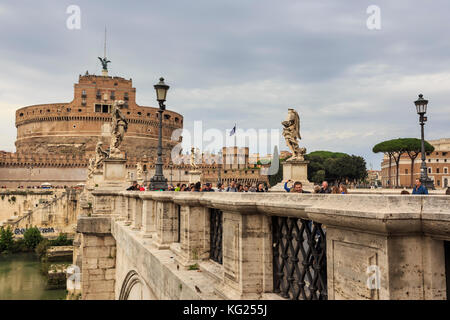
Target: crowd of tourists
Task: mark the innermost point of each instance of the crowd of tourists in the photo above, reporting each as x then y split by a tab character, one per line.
233	186
208	187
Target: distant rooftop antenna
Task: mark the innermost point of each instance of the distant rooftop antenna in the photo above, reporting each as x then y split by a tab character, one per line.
104	61
104	49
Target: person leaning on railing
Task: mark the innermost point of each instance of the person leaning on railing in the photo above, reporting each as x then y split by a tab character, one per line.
296	188
419	188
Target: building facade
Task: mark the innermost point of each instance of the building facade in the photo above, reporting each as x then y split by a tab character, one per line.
438	166
74	128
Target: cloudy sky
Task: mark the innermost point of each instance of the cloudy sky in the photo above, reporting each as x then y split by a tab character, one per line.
244	62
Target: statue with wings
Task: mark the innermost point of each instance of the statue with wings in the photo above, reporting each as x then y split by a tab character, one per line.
104	61
291	132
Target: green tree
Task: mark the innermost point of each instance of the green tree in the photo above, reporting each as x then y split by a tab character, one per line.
413	147
396	147
6	239
32	237
335	166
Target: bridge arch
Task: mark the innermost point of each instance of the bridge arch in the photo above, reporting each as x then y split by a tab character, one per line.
134	287
131	287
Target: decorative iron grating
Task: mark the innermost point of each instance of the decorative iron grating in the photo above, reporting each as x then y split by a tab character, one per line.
215	252
299	259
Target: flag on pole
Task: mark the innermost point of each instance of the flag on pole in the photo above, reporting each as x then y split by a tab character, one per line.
233	131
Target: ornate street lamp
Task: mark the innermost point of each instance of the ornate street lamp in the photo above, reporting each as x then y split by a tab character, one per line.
158	181
219	164
421	108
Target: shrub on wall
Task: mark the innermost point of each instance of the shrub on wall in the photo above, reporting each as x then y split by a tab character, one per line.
61	240
6	239
32	237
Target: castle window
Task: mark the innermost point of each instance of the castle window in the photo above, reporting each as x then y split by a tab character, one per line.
105	108
439	183
445	170
148	114
98	108
115	83
437	170
21	115
83	94
429	170
166	116
74	126
444	153
113	96
406	171
99	95
139	113
176	119
125	96
79	110
437	160
128	112
48	110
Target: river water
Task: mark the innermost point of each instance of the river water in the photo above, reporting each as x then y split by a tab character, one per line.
20	279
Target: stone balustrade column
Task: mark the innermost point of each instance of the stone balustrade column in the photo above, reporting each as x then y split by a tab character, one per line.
148	215
137	213
378	247
166	220
246	249
194	229
131	207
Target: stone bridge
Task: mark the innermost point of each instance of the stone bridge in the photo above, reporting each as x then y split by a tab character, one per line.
186	245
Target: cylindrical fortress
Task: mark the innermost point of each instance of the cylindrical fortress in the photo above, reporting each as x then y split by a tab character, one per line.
75	127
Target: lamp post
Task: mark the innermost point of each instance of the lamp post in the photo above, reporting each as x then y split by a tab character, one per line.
421	108
219	180
158	181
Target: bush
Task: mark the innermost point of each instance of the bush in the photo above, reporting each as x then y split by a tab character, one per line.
32	237
6	239
41	248
61	240
19	246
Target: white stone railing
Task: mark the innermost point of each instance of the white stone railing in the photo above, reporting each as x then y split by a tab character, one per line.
378	246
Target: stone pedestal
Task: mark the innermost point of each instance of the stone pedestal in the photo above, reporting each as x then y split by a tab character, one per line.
295	170
194	176
114	175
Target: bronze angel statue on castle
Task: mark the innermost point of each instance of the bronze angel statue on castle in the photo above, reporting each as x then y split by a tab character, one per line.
291	132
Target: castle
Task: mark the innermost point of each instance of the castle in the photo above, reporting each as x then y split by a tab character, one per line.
55	140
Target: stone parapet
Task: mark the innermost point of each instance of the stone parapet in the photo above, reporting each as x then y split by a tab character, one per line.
397	239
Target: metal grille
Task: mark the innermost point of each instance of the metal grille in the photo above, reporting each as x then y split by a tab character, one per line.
299	259
215	252
447	267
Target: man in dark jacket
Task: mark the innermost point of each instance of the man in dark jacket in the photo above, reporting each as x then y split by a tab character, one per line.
325	188
419	188
133	187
